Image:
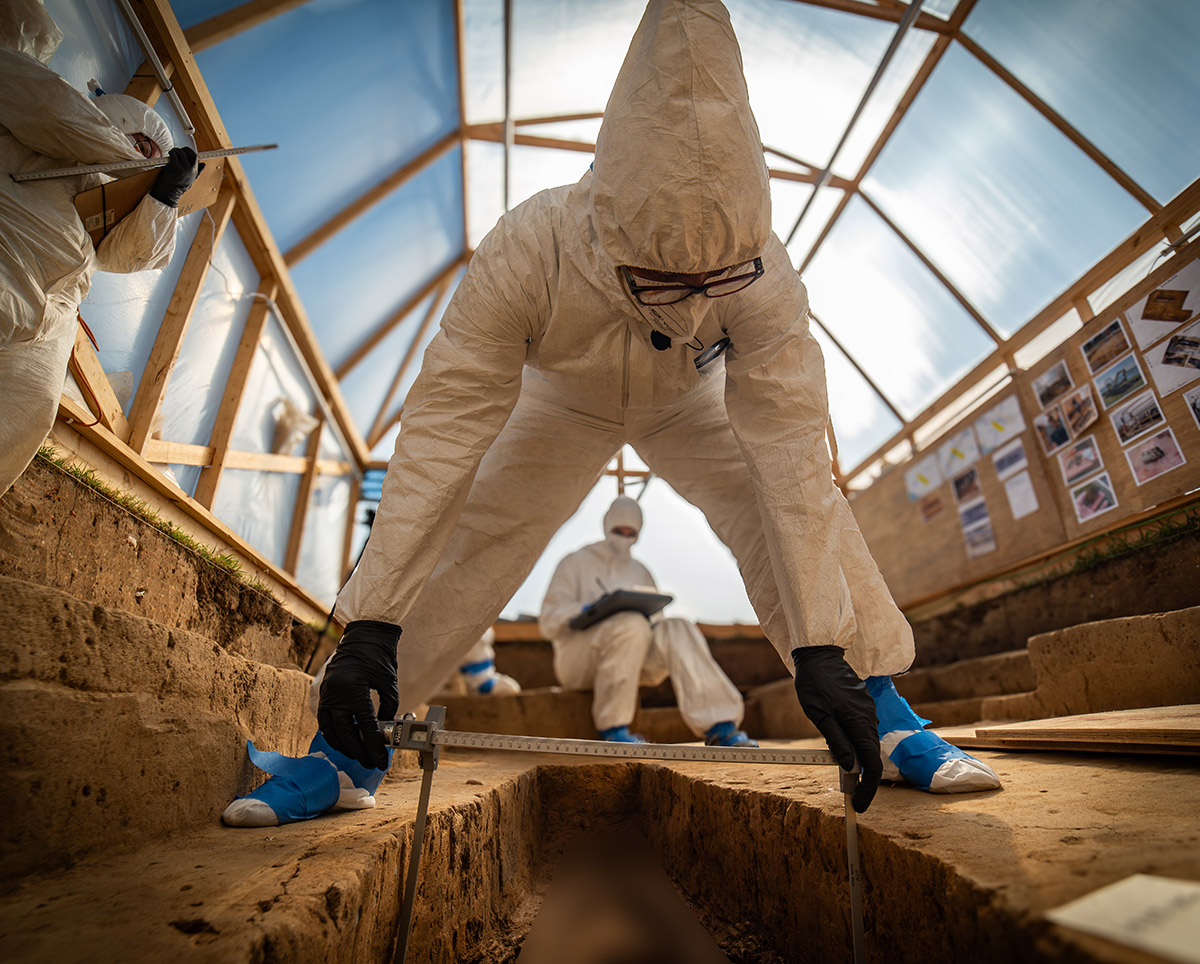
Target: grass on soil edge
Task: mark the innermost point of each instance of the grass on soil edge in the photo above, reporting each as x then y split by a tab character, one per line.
135	506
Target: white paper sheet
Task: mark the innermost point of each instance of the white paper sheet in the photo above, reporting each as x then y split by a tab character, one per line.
1021	497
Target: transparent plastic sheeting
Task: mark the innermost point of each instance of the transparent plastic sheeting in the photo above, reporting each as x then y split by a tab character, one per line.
275	373
319	566
258	507
98	43
349	90
1008	208
1124	74
686	559
197	384
354	282
889	311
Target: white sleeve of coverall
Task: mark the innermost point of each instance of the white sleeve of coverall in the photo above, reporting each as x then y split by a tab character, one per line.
564	599
49	116
144	240
468	385
776	401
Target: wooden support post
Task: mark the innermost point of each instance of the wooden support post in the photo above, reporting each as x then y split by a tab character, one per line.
174	325
231	400
144	84
303	500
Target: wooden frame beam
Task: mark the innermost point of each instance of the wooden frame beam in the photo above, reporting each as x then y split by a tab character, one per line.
216	29
893	14
1101	159
494	133
368	199
111	415
396	317
377	427
231	399
185	453
156	374
857	367
171	45
303	499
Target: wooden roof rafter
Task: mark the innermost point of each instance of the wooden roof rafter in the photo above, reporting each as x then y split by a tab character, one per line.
891	13
215	30
857	367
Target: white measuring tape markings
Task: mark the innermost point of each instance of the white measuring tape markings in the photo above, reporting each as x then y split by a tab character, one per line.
148	163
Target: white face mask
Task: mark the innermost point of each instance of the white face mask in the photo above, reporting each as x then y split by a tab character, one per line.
679	321
621	545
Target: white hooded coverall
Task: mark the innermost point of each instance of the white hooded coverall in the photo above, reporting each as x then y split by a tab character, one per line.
617	654
543	368
46	257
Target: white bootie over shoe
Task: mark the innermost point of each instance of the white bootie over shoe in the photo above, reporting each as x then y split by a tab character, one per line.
919	756
483	678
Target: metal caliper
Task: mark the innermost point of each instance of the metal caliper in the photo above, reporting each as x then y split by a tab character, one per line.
428	736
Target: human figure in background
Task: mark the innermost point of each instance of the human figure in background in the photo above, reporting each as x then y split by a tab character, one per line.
627	649
478	672
46	258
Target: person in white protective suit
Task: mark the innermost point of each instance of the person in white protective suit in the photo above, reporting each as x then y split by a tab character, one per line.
650	304
625	650
46	257
478	673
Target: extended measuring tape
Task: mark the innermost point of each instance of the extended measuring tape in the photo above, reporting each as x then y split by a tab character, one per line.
145	163
428	737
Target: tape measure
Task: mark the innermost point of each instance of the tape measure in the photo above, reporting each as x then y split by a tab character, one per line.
428	738
145	163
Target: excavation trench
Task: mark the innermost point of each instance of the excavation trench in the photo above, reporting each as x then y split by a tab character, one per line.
764	873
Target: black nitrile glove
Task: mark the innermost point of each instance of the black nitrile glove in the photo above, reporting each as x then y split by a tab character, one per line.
176	177
365	660
837	702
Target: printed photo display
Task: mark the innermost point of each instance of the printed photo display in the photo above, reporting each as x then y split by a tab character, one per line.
1166	307
1022	500
998	424
930	505
1080	460
980	540
1192	399
1105	346
967	486
1137	417
1175	361
1053	384
1120	381
923	478
1154	456
1051	428
1080	410
1011	459
1094	497
957	452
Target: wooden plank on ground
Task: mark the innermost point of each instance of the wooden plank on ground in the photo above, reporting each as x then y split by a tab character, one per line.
1157	729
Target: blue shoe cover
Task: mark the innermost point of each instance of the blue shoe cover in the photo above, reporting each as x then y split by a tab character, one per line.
921	757
621	734
365	778
727	734
300	788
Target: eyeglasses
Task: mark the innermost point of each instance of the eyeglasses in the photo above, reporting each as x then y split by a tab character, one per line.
669	294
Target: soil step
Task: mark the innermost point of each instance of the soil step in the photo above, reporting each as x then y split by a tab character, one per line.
58	532
979	676
119	728
1114	664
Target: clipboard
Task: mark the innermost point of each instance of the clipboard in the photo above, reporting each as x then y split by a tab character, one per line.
620	600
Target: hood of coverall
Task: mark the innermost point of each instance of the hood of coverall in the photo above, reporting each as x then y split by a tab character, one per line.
26	26
623	512
132	116
679	182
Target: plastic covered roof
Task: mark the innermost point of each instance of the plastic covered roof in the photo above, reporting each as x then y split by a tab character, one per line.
1006	149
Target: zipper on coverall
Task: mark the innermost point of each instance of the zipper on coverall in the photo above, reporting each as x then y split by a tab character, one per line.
625	370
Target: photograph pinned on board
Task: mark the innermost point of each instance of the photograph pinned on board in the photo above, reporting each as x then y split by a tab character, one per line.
1080	410
1154	456
1137	417
922	478
1010	459
1094	497
1119	381
1192	399
1166	307
1022	499
1175	361
967	486
1080	460
973	513
998	424
1051	428
957	452
1052	384
1106	345
930	505
980	540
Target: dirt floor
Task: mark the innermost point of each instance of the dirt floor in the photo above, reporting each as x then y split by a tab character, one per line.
757	852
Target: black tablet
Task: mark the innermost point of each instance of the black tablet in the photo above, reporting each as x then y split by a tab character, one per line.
621	600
